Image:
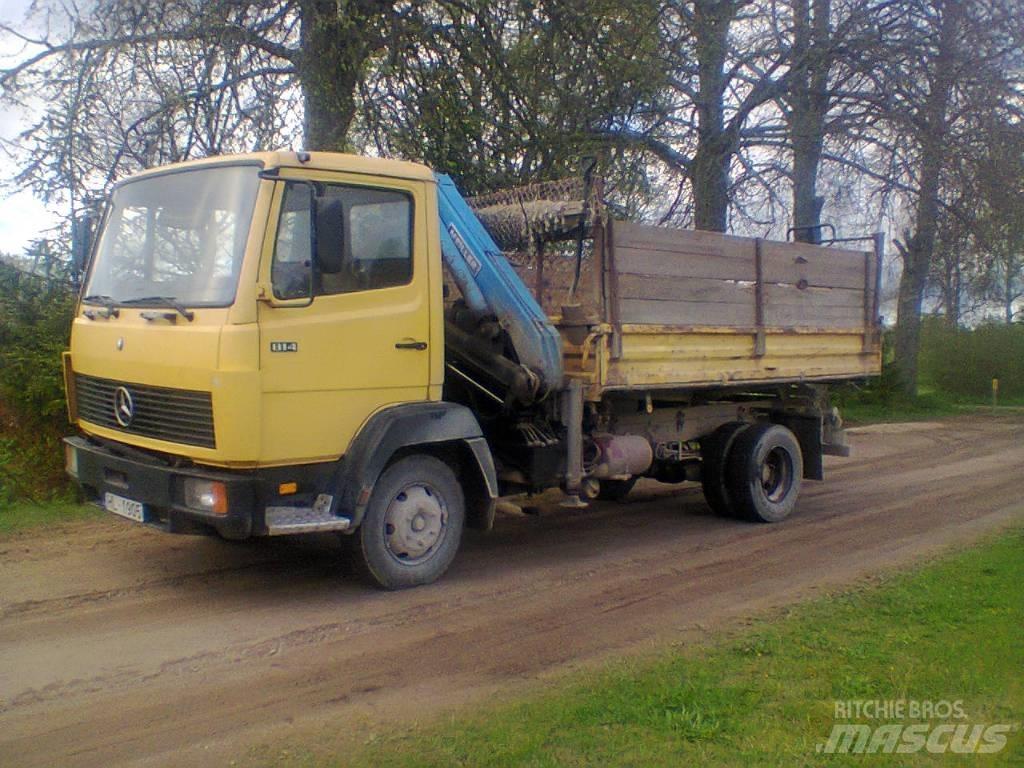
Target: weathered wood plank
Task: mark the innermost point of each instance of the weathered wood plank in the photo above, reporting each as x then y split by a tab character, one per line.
700	290
652	238
695	289
728	264
784	315
647	250
824	267
790	295
686	312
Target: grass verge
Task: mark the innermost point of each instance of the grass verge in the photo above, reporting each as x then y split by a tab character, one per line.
950	631
870	407
22	515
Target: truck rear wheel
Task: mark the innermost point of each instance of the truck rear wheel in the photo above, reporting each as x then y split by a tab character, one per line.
764	471
715	450
413	524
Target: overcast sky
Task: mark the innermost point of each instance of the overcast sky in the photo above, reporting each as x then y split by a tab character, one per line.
22	217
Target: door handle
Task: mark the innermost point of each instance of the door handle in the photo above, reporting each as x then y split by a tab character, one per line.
419	346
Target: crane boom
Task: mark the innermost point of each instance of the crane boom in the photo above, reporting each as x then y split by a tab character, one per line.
490	285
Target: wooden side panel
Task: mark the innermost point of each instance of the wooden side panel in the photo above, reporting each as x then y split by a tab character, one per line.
641	249
701	309
681	277
812	265
789	306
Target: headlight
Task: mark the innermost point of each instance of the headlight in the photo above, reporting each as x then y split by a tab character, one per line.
206	496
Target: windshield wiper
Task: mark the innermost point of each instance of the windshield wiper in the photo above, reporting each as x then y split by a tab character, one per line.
166	301
106	301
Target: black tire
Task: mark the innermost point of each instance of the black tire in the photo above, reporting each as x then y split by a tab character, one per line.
413	524
764	470
615	490
714	450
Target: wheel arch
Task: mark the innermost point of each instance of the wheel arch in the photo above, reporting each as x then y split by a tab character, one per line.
448	431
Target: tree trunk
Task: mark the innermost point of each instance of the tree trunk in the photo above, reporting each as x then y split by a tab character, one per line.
710	169
953	297
337	39
916	257
918	251
808	107
1010	295
949	282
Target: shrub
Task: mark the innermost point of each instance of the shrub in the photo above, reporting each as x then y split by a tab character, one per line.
963	362
35	317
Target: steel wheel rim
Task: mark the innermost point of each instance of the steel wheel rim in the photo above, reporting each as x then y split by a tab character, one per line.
776	475
415	523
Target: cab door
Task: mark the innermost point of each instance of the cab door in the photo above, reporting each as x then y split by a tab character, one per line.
337	346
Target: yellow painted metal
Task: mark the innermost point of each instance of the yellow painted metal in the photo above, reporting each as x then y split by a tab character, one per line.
347	366
666	358
280	409
69	386
319	161
183	356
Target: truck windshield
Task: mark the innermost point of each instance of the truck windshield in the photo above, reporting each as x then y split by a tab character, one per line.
177	236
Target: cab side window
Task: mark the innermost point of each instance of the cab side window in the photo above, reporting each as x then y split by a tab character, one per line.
378	230
293	249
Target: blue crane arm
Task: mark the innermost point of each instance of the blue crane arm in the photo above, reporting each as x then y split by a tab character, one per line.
490	285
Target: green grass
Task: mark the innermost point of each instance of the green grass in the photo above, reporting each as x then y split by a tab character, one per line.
22	515
928	405
878	405
951	630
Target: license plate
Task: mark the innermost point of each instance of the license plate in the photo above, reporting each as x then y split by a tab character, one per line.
133	510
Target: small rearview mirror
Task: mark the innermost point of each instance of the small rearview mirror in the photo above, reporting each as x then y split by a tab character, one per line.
81	245
330	234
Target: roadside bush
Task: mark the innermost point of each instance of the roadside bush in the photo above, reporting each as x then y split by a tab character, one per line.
956	368
35	317
963	362
881	396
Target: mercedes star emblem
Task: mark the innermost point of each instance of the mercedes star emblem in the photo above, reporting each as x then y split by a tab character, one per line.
124	407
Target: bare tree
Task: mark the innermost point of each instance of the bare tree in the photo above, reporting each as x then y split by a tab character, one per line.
495	90
736	70
933	78
129	85
825	101
507	92
1001	223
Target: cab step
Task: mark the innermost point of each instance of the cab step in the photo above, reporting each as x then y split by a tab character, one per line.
285	520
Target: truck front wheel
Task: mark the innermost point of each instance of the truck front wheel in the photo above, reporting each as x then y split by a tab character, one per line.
413	524
764	471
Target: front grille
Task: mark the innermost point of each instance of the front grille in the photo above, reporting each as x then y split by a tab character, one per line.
176	415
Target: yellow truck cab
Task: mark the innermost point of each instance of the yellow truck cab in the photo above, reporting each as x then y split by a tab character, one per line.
262	347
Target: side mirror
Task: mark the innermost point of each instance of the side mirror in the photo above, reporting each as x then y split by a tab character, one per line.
329	228
81	245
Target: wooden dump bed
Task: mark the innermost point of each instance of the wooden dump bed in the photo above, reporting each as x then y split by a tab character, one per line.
677	309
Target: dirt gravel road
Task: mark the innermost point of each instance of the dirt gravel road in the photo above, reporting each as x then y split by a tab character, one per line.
123	646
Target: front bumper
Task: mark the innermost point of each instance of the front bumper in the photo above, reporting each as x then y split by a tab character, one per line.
135	475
